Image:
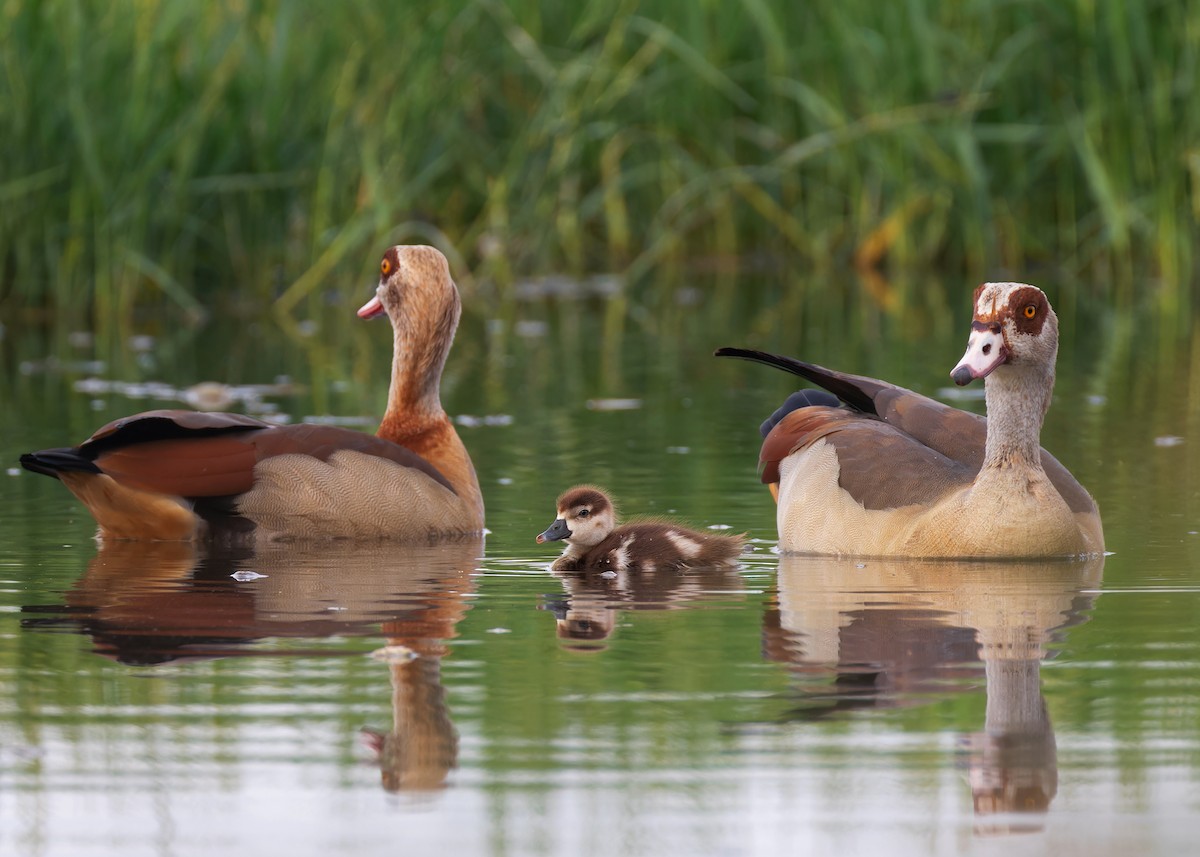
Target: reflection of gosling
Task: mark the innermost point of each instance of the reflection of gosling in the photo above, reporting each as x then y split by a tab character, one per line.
587	522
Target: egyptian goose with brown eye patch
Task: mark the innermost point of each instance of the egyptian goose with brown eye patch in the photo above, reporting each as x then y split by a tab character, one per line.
180	475
877	470
587	522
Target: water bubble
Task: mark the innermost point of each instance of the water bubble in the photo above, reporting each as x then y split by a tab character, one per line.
245	575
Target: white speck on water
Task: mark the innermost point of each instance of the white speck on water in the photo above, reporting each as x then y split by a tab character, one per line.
499	630
245	574
92	386
14	471
530	328
719	527
470	421
209	396
613	404
1096	400
678	450
608	575
504	480
98	404
1168	440
140	342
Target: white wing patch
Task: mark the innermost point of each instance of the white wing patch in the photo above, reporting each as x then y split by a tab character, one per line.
620	560
687	547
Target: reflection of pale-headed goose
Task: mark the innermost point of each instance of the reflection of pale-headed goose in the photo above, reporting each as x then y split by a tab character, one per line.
875	469
587	521
179	475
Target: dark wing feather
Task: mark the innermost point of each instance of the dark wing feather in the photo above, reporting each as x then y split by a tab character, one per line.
165	425
880	466
51	462
203	466
193	455
958	435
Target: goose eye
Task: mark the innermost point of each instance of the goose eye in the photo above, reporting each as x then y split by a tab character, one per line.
583	513
385	267
1030	311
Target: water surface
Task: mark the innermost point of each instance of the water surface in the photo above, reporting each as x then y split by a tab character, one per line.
166	700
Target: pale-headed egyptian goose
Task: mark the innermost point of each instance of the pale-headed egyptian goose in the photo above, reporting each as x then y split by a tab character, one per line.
883	471
587	522
184	475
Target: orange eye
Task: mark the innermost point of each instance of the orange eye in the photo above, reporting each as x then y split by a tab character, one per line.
385	267
1030	311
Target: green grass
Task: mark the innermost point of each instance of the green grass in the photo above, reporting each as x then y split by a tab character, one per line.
223	156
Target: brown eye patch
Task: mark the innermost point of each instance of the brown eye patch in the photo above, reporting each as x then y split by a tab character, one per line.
389	263
1028	308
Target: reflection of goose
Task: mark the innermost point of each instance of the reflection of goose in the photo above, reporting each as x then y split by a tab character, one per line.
877	470
180	475
888	632
421	748
587	615
152	603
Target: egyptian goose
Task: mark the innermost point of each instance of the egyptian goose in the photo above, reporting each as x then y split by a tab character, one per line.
884	471
180	475
587	522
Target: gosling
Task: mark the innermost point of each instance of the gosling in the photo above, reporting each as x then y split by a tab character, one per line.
587	522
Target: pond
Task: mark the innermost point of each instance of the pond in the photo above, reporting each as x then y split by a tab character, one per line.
166	700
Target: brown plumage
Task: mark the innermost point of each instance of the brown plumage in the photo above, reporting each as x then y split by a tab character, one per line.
884	471
587	521
182	475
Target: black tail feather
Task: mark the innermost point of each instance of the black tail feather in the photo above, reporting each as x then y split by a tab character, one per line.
844	388
51	462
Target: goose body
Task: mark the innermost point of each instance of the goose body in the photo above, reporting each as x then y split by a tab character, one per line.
587	521
878	470
181	475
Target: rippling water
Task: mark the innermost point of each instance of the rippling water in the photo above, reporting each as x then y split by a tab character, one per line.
164	700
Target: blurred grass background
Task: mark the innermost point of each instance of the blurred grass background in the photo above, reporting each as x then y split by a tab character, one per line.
237	155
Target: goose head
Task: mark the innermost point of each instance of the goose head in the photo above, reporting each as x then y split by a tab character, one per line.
585	517
1013	346
1013	326
418	296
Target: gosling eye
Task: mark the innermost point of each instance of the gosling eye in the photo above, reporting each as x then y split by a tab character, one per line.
385	267
1030	311
583	513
